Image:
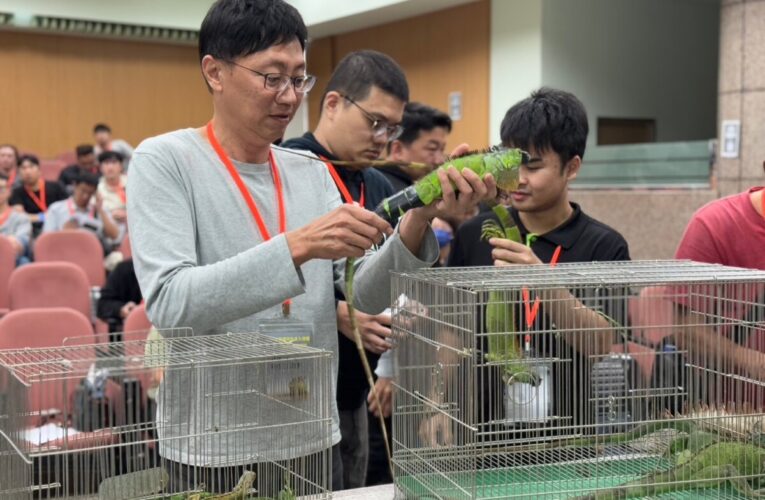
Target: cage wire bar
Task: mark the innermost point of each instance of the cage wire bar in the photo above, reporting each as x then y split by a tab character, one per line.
589	380
169	416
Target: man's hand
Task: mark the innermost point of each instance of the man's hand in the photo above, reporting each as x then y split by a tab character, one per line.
125	310
374	329
436	431
384	388
507	252
347	231
462	191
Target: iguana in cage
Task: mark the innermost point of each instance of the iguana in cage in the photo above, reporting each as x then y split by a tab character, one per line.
716	448
503	340
152	482
714	465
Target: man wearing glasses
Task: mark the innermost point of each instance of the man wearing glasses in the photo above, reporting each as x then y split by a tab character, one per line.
361	111
228	230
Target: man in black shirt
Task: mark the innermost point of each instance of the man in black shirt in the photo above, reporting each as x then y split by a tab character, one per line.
361	111
35	194
552	126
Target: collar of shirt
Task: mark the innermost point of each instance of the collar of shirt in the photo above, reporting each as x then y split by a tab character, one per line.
565	235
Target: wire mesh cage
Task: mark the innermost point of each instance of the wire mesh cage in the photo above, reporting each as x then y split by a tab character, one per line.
591	380
170	415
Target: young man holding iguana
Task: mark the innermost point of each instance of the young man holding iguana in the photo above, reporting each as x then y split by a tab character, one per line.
552	126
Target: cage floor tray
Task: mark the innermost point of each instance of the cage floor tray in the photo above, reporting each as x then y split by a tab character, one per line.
549	482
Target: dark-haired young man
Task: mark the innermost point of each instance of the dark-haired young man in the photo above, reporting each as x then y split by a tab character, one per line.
111	186
86	162
81	211
361	113
102	135
228	230
35	195
552	126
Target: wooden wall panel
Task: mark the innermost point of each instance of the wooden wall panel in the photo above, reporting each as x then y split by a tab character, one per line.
54	88
441	52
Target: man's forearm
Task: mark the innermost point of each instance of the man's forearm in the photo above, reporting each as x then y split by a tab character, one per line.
589	333
412	231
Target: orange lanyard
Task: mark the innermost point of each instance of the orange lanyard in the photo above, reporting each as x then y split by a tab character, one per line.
119	191
264	233
40	202
531	312
12	178
5	216
341	185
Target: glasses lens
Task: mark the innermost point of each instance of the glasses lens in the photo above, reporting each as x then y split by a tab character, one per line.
394	132
305	83
276	82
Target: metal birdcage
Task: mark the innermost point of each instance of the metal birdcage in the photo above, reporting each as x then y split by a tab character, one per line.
590	380
170	415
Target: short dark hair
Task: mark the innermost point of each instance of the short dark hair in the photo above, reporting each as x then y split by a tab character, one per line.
359	71
30	158
420	117
236	28
101	127
86	178
549	119
14	148
110	156
84	149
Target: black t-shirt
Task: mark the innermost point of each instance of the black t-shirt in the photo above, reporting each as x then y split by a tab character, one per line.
53	193
582	239
121	287
351	383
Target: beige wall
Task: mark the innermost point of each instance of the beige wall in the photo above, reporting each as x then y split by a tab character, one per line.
653	221
439	55
742	91
54	88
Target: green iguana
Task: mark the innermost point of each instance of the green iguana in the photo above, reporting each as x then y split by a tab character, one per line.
503	341
718	463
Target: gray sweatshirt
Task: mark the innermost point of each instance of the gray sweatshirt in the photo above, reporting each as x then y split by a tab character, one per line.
17	225
202	263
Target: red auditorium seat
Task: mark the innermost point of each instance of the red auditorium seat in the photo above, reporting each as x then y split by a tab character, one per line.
81	248
49	284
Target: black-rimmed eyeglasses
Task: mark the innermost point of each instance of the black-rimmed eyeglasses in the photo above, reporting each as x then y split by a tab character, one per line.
277	82
379	126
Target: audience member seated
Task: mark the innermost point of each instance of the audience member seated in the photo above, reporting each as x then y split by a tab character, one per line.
111	187
119	296
102	134
86	162
14	226
79	211
35	194
9	159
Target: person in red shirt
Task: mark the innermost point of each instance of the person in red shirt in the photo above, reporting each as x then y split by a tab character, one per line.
729	231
